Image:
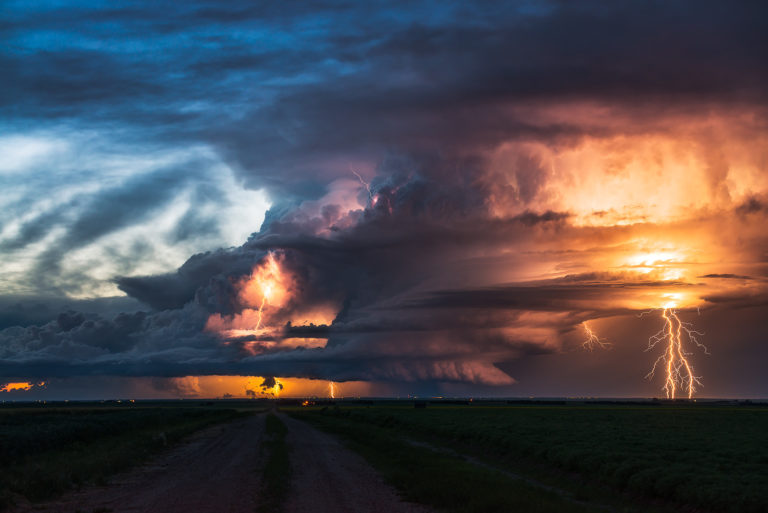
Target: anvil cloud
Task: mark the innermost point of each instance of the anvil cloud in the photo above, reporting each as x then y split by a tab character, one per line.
457	188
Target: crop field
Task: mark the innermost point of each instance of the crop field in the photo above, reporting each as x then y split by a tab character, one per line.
479	457
630	457
45	451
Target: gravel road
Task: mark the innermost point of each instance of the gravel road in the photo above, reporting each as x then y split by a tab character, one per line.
215	470
329	478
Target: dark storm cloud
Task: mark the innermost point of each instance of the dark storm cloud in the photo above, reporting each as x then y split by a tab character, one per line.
447	86
739	299
290	97
266	82
362	268
27	310
753	205
270	382
727	276
93	345
281	91
392	322
554	296
390	325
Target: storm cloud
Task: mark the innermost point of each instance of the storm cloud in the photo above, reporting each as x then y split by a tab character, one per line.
451	189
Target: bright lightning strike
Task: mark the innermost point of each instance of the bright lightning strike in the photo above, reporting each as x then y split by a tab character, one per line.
267	279
593	340
674	360
332	389
267	292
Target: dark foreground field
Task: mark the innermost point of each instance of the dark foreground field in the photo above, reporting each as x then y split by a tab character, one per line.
569	457
206	457
47	450
488	457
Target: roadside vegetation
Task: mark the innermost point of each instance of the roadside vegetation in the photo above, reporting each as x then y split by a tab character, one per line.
276	477
436	478
47	451
632	458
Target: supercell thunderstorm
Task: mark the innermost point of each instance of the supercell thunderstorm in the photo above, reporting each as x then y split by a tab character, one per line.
448	203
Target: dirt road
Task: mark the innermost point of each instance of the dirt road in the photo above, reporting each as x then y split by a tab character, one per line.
328	478
216	470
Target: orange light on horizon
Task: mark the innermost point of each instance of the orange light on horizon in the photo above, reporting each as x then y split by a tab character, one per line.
244	387
20	385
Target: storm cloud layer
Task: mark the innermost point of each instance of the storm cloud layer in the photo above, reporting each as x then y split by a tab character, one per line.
453	190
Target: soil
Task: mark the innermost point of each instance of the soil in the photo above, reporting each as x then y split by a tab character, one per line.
329	478
215	470
218	470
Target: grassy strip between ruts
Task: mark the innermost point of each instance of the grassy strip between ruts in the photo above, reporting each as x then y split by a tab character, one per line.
80	455
441	480
276	478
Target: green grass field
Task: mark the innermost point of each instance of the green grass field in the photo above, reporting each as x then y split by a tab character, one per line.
703	458
473	458
45	451
443	481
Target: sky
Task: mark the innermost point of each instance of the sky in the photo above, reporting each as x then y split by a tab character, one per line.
498	199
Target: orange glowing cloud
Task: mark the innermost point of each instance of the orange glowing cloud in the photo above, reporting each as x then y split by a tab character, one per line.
268	284
663	170
265	296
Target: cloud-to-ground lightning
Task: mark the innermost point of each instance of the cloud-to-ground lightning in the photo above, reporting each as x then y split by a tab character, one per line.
679	373
593	340
332	389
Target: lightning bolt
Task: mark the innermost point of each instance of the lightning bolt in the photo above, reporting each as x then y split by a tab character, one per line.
332	389
592	339
267	292
266	286
674	360
365	184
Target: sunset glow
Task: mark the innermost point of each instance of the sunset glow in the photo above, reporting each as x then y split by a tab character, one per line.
260	387
23	386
